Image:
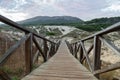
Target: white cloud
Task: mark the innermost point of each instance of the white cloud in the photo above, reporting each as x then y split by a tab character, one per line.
12	10
15	16
18	10
113	6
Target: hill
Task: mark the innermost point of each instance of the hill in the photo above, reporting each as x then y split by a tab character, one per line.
104	20
46	20
91	25
98	23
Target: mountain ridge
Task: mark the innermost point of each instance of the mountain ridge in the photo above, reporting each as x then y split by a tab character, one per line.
91	25
51	20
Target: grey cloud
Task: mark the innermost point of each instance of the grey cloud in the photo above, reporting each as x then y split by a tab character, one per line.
85	9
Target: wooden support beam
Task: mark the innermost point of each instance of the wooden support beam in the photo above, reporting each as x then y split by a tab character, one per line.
53	49
89	50
81	54
110	45
108	68
97	51
70	48
76	46
87	57
50	51
39	48
45	48
28	54
35	58
73	46
77	50
58	44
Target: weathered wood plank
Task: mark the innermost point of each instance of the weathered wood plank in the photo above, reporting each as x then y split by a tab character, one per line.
97	51
62	66
28	54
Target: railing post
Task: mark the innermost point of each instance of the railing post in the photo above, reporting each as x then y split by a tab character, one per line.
57	46
70	48
76	46
73	49
51	50
97	51
81	54
28	54
72	45
45	50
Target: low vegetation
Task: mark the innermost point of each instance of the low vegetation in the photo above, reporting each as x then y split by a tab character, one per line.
91	25
50	33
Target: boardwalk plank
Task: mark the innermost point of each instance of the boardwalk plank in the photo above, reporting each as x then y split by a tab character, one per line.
62	66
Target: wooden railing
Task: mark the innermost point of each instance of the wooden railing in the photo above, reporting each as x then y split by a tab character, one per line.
81	53
46	48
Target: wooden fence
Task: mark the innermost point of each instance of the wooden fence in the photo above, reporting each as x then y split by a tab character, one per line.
46	50
81	53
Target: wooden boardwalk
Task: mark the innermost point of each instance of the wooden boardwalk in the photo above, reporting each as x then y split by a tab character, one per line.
62	66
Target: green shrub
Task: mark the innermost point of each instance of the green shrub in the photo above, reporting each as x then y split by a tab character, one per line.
50	33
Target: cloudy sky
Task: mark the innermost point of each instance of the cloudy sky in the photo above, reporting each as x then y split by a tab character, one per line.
85	9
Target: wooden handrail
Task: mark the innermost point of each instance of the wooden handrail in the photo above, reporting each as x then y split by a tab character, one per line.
112	28
16	25
29	38
97	38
